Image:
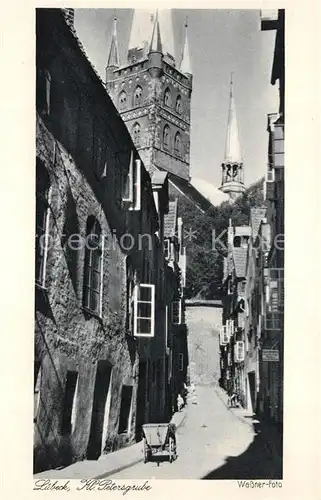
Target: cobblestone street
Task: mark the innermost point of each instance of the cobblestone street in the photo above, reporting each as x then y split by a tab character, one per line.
213	443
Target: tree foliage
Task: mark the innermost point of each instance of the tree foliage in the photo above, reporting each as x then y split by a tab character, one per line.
204	254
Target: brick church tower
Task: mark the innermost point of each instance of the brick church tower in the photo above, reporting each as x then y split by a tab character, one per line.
152	92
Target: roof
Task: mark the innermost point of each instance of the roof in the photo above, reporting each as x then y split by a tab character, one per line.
159	177
257	214
239	257
170	220
190	192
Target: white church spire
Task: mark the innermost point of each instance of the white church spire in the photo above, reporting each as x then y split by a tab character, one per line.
232	146
186	60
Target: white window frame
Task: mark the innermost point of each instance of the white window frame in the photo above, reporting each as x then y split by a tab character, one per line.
270	176
137	186
224	340
238	344
179	322
152	317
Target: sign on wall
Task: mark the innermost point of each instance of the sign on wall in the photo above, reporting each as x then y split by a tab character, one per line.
270	355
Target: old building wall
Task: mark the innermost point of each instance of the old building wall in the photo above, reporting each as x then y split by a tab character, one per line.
83	362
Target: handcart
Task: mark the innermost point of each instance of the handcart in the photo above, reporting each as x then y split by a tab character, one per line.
159	442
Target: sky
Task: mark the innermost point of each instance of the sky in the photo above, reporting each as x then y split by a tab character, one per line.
220	42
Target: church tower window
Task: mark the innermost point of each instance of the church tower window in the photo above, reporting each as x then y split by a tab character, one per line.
178	105
136	134
166	137
138	94
122	100
177	144
167	98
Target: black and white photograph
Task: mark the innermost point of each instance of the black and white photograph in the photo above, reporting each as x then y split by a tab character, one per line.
159	244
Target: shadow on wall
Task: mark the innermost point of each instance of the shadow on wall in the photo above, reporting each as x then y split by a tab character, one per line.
259	461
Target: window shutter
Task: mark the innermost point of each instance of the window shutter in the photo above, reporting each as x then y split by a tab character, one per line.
137	186
128	181
144	310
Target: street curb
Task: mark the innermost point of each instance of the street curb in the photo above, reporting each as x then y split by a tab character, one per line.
131	464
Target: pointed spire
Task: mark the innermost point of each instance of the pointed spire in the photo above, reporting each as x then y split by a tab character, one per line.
186	62
156	43
232	147
113	59
143	27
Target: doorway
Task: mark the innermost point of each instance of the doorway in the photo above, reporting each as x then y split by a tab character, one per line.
102	383
141	400
252	385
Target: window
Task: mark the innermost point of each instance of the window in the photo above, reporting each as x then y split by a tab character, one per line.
144	310
70	389
274	299
136	134
167	98
270	176
177	312
126	398
166	137
177	144
224	339
181	362
167	248
278	145
132	184
138	95
178	105
122	100
42	221
237	241
239	351
93	267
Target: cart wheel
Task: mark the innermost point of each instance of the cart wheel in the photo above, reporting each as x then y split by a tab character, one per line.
171	448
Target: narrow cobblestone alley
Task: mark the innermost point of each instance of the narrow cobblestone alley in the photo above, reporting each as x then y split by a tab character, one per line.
213	442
